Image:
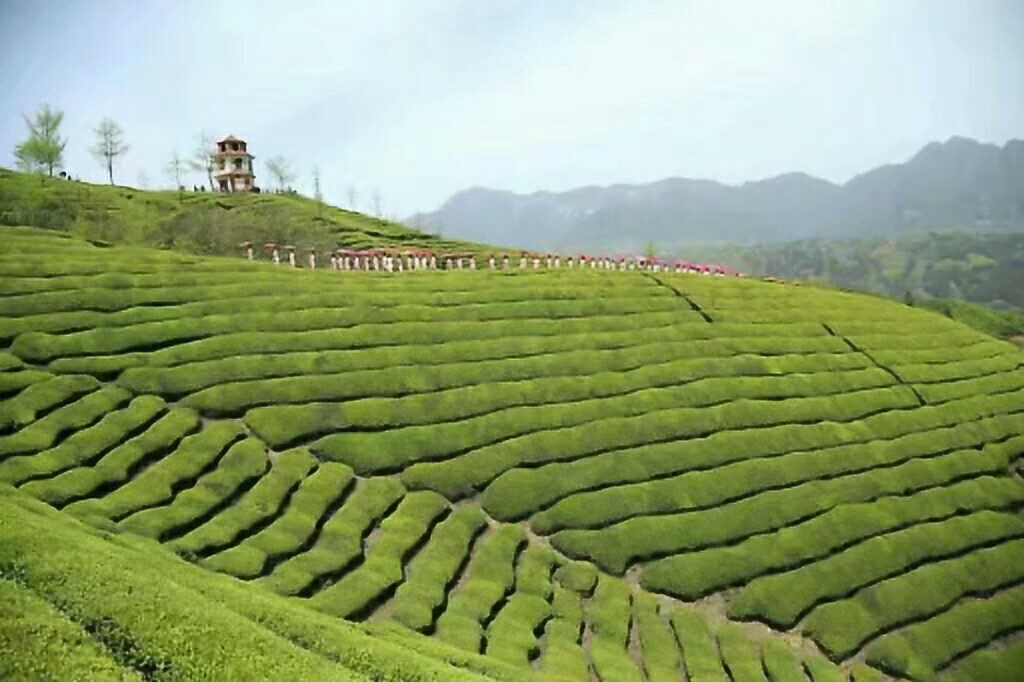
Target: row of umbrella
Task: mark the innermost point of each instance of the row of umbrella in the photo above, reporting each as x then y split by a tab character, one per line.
396	259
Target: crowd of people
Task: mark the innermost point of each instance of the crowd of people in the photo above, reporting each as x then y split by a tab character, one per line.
400	260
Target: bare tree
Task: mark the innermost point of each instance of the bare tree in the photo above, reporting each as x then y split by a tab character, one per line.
281	170
352	196
202	156
142	179
110	145
44	148
175	167
376	202
318	195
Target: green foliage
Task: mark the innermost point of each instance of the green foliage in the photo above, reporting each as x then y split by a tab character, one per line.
694	574
43	150
243	464
207	223
644	537
260	505
315	495
804	452
933	644
489	578
700	654
340	544
795	593
430	573
384	563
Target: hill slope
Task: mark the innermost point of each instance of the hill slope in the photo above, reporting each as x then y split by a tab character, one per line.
579	475
981	268
197	222
960	184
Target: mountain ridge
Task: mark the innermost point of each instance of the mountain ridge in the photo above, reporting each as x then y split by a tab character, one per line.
957	184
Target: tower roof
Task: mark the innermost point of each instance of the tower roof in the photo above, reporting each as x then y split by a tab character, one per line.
231	138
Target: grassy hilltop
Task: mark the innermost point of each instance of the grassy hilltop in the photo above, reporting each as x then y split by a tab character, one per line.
196	222
216	469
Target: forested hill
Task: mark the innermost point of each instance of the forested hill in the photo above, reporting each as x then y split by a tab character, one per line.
959	184
197	222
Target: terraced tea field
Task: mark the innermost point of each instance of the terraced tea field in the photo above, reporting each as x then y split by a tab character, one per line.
553	475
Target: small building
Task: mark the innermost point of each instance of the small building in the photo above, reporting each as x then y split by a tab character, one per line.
232	166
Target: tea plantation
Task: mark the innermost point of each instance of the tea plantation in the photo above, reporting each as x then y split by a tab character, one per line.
219	469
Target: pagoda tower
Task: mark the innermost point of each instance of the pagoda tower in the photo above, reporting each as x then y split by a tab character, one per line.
232	166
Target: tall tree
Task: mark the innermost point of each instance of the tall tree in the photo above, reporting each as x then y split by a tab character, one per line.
175	167
318	195
110	145
44	148
352	197
281	170
143	179
202	157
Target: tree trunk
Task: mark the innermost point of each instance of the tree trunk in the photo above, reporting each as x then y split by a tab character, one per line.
110	170
209	176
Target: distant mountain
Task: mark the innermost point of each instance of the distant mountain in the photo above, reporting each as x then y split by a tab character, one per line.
961	184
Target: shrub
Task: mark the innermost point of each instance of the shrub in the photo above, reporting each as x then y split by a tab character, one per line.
382	570
420	598
85	445
315	497
44	433
255	509
340	543
243	464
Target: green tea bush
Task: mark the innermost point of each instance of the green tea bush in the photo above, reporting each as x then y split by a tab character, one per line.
578	576
501	384
660	651
949	371
349	330
645	537
339	545
563	658
39	642
288	533
781	663
117	466
783	599
740	656
609	615
257	507
991	665
931	645
86	444
44	433
420	597
492	410
9	362
700	654
511	637
521	490
1001	382
42	397
155	485
243	464
695	574
11	382
716	486
461	475
489	577
383	568
841	627
982	350
608	350
820	669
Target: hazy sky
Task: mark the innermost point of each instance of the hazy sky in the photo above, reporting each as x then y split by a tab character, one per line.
422	99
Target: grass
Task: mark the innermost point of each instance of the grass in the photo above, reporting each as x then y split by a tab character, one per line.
271	473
